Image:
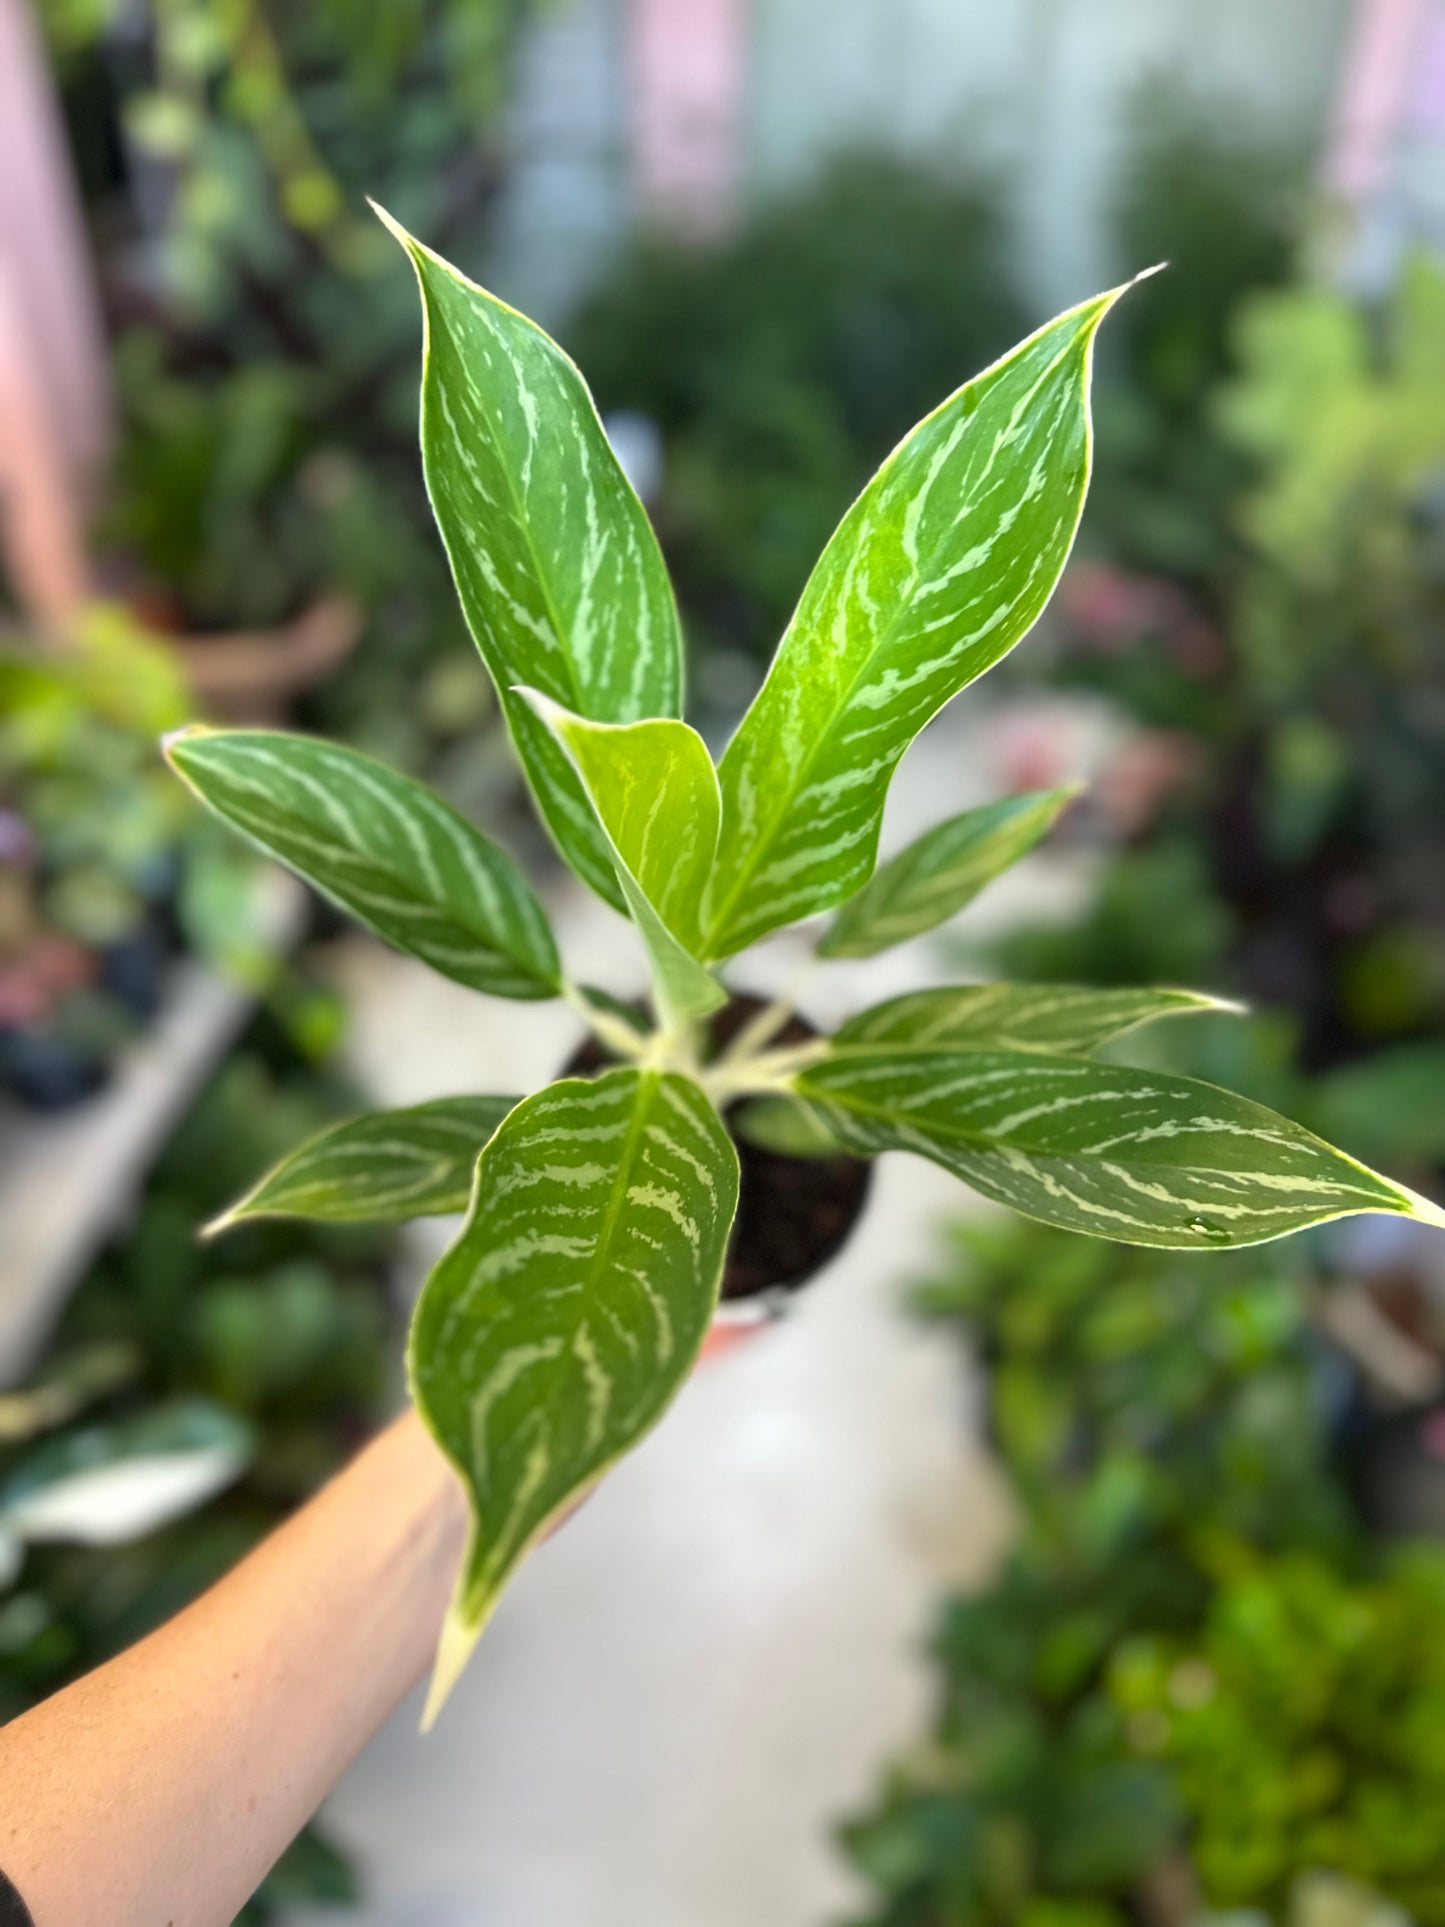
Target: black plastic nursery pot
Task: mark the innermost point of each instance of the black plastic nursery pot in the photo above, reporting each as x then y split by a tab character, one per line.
794	1214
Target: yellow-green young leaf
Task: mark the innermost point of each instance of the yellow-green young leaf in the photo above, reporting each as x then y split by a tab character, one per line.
558	1327
942	564
386	849
1069	1020
654	790
1125	1154
559	574
381	1167
940	872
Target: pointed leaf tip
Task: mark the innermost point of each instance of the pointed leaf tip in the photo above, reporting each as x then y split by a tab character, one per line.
393	227
1422	1209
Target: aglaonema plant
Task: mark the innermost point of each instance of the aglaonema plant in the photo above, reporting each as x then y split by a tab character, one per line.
574	1301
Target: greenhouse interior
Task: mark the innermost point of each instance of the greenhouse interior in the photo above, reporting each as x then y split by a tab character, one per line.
524	920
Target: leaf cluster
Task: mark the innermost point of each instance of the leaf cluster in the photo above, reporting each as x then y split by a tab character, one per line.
575	1299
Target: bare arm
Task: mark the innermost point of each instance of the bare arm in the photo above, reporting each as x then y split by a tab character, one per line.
158	1790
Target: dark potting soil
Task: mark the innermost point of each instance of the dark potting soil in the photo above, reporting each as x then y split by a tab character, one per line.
794	1214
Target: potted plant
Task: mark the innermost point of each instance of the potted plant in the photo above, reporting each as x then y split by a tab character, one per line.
557	1328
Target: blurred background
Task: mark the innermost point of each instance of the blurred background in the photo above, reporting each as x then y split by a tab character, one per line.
1015	1581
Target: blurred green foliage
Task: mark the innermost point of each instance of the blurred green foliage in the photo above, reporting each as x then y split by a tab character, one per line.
79	766
267	337
782	364
108	866
1191	1685
1305	1727
1200	187
1302	862
270	1344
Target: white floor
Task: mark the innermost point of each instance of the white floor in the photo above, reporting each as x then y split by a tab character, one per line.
707	1669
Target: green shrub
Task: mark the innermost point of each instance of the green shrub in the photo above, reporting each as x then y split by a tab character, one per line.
1305	1728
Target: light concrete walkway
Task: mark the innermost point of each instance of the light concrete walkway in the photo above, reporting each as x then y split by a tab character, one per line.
688	1688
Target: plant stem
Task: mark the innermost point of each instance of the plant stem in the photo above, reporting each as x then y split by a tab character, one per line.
761	1072
765	1024
605	1027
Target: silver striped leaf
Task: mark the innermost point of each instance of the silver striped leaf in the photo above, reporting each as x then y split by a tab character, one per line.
943	563
782	1123
560	577
384	848
940	872
1131	1155
1069	1020
654	790
560	1325
381	1167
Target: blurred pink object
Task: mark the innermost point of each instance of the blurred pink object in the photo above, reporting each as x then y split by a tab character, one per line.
32	986
1034	752
1143	775
1108	609
687	69
55	413
1386	52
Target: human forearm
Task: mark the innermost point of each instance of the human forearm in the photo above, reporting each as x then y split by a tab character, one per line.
161	1787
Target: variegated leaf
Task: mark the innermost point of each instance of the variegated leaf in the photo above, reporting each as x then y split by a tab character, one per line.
1131	1155
381	1167
382	847
560	1324
559	574
654	790
1069	1020
940	872
942	564
784	1124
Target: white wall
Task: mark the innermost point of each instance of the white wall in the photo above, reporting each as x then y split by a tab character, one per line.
1035	85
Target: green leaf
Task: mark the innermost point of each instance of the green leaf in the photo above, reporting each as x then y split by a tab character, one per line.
654	790
559	574
1070	1020
382	1166
386	849
108	1483
937	875
786	1126
943	563
1131	1155
560	1324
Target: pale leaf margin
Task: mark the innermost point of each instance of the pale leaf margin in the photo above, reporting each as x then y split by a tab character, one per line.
353	1159
1062	1020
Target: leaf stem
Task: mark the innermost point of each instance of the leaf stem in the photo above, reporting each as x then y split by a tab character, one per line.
764	1025
761	1072
608	1029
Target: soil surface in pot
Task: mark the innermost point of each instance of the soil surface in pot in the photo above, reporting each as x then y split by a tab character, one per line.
794	1214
